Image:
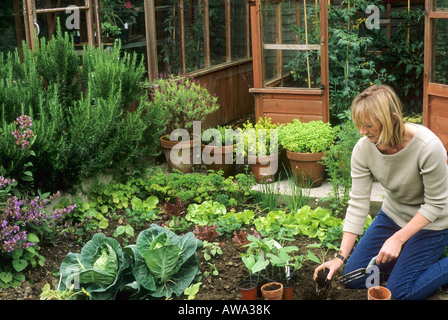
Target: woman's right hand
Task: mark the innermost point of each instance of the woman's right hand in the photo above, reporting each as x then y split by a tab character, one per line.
333	265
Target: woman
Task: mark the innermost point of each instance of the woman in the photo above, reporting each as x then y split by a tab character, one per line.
410	232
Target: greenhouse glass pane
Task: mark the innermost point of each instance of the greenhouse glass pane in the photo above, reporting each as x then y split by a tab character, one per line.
194	34
440	72
291	43
217	30
168	36
441	5
238	28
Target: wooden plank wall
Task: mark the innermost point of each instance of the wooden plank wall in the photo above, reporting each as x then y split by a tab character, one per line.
231	85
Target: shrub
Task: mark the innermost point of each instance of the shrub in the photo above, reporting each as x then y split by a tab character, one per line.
183	101
81	121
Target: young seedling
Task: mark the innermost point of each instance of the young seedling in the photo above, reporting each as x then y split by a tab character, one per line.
322	283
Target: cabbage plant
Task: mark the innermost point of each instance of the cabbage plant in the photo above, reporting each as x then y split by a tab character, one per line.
164	263
98	268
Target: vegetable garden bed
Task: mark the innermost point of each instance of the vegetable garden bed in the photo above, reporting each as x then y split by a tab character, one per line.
221	271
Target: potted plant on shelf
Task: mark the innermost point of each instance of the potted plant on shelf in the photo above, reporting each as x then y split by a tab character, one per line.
259	144
218	145
306	144
184	101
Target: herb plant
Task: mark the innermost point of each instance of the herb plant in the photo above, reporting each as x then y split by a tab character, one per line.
308	137
183	101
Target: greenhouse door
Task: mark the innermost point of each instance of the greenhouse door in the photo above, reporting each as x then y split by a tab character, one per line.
40	18
290	59
435	99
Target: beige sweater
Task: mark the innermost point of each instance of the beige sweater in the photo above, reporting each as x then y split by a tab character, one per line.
415	180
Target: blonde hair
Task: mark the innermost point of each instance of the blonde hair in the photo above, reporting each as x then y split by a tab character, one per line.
379	103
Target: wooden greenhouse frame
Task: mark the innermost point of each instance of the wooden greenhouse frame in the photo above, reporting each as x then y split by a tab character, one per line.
272	99
435	86
245	78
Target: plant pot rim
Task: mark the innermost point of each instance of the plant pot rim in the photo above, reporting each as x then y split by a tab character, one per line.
263	287
166	137
303	156
268	156
219	149
386	292
253	282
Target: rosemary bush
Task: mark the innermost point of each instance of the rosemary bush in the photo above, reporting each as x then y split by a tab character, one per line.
81	116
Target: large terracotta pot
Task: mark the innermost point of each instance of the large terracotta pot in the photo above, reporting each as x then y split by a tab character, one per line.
221	158
307	169
264	168
178	154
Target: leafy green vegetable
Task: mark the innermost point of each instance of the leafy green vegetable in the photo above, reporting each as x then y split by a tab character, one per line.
97	269
165	263
205	213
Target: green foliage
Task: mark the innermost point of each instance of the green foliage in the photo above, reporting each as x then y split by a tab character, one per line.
164	263
259	139
235	220
313	223
98	268
81	118
196	187
219	136
183	101
12	273
308	137
337	162
359	57
205	213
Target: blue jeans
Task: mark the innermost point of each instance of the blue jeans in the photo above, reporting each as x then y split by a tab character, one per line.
416	273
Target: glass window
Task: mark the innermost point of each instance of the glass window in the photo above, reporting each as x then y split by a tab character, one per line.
441	5
291	43
239	27
217	29
440	71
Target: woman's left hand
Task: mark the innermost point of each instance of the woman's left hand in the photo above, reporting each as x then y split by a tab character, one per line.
390	250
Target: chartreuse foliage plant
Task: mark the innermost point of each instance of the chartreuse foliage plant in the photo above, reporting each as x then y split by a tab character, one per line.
308	137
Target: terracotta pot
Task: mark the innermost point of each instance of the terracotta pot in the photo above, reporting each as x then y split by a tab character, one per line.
379	293
307	169
288	291
248	290
221	158
272	291
178	154
264	168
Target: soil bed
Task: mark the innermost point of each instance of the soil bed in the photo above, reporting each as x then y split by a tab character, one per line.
223	286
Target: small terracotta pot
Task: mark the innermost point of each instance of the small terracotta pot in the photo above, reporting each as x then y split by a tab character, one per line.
248	290
379	293
288	291
272	291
